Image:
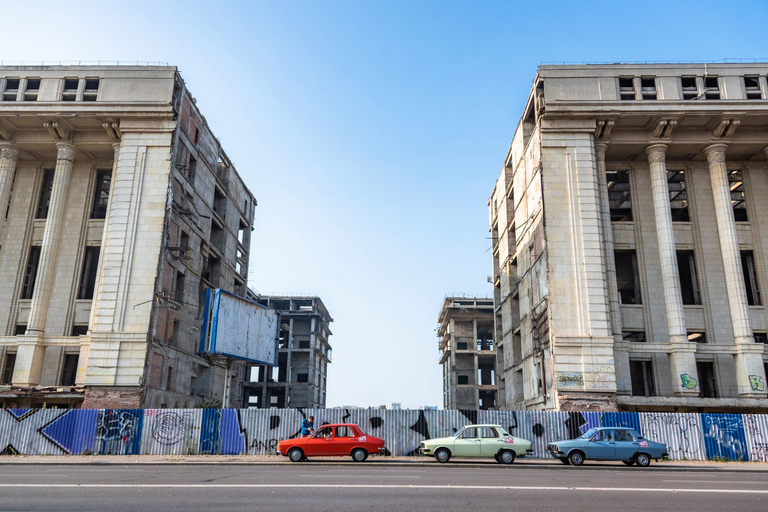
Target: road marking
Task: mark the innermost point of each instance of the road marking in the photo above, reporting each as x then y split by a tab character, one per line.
705	481
382	486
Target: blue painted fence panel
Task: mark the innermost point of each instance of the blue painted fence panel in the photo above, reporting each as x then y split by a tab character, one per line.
257	431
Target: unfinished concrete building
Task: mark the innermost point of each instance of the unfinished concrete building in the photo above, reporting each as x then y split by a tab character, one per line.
465	328
304	352
119	208
630	240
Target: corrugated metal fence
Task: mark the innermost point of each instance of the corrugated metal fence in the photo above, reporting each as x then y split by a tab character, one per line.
257	431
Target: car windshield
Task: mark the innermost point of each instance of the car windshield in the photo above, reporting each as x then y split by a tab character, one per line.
458	433
589	433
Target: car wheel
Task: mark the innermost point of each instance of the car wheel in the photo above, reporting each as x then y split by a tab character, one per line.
643	460
629	462
296	455
359	455
442	455
507	457
565	461
576	458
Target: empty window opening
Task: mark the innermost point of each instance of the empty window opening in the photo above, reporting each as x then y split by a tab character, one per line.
169	379
736	185
750	278
8	367
487	401
217	236
752	88
178	294
707	381
101	194
641	375
634	336
690	90
619	197
689	284
197	135
21	329
32	89
484	341
678	198
69	369
69	92
304	343
486	375
219	204
761	337
88	275
192	169
697	337
302	377
30	273
11	90
242	233
174	337
183	244
45	195
518	387
648	88
627	277
91	90
712	88
461	345
79	330
627	88
462	380
282	367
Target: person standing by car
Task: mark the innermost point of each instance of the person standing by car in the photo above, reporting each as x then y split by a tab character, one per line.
307	426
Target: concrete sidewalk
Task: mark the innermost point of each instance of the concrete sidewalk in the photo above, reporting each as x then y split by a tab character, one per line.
273	460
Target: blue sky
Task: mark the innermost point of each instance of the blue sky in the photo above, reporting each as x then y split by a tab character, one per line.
372	132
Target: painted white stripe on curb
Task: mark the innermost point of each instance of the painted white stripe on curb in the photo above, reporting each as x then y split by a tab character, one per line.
383	486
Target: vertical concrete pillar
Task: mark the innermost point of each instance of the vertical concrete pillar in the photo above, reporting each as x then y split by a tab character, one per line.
9	155
682	360
750	373
65	157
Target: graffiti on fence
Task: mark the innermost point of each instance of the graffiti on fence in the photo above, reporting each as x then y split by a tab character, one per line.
118	431
680	432
724	436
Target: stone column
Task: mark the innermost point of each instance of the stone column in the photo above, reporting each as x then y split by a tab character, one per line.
682	361
9	155
749	364
65	156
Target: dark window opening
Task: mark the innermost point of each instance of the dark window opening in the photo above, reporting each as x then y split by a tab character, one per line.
69	370
217	236
487	401
169	379
641	375
304	343
91	90
174	338
101	194
619	196
282	367
697	337
634	336
486	375
79	330
752	88
689	284
302	377
690	90
736	185
462	379
45	195
712	88
648	88
10	364
30	274
219	204
750	278
627	88
88	275
627	277
32	89
11	89
760	337
707	382
461	345
197	135
70	89
183	243
21	330
178	294
192	169
678	199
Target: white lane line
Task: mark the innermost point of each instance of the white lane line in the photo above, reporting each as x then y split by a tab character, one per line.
383	486
722	482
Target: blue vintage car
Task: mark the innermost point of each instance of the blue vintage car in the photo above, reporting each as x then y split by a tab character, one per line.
608	443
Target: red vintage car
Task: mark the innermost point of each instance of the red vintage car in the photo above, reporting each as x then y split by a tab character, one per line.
332	440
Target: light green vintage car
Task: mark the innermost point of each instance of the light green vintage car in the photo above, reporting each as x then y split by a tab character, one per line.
478	441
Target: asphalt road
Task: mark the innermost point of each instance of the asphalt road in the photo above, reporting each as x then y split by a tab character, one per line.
371	487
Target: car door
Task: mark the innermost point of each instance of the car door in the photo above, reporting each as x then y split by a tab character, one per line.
343	440
322	442
601	446
467	443
624	444
490	441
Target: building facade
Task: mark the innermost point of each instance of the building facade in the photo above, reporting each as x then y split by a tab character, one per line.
119	208
631	240
304	352
468	356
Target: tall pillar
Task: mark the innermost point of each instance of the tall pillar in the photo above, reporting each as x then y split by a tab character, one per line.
682	360
9	155
65	156
750	374
620	355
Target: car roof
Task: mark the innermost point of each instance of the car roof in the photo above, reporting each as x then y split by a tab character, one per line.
484	425
338	425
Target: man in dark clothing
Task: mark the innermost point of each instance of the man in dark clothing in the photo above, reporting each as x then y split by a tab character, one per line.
307	426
